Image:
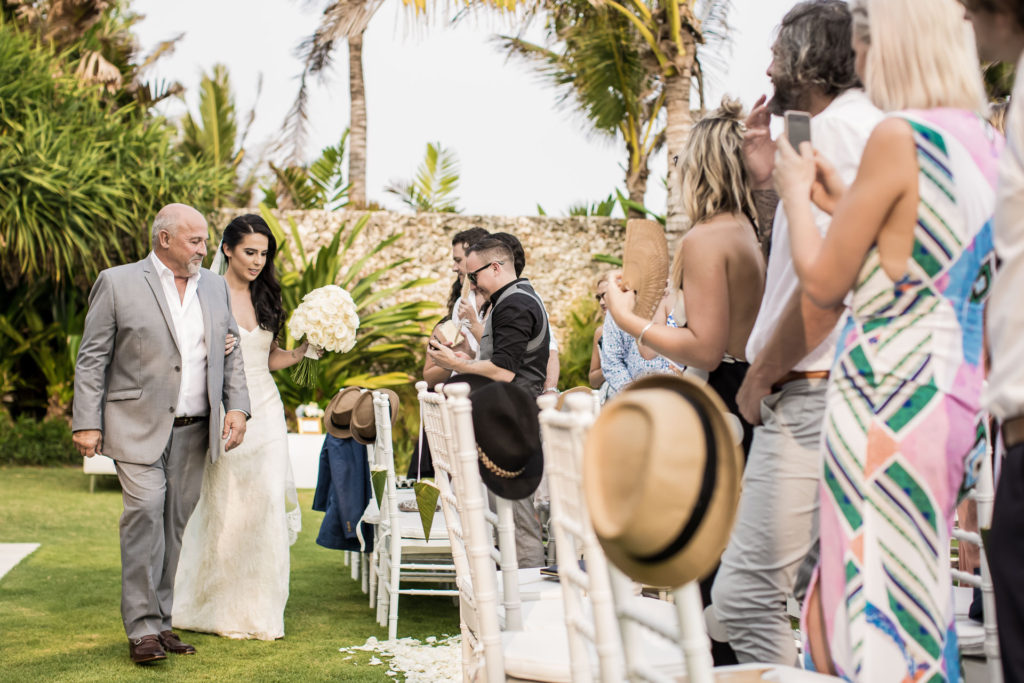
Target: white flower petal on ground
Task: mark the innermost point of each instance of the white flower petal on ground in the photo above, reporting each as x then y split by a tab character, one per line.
435	660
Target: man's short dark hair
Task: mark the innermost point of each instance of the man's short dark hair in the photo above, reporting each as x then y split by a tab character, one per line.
813	49
470	237
516	247
492	249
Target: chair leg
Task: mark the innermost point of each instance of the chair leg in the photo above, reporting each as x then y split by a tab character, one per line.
364	566
373	578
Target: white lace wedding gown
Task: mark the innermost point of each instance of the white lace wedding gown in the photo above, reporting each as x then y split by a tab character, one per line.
232	576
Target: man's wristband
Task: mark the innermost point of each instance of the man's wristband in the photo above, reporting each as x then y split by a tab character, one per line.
553	390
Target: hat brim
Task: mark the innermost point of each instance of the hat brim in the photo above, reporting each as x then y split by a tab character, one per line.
699	556
329	426
358	428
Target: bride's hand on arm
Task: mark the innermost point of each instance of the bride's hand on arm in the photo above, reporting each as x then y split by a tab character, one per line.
229	344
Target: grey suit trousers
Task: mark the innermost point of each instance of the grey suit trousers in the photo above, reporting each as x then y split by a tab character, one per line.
776	526
158	500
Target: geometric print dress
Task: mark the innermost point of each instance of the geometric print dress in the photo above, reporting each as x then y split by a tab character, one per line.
903	430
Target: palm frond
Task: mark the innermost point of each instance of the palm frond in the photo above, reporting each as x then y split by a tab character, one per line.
433	188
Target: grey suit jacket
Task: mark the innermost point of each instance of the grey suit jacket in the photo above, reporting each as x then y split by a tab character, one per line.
129	367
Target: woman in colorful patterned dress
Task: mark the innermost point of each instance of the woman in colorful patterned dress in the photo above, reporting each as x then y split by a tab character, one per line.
910	250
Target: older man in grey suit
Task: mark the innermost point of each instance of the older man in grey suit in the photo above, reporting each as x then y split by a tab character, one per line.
151	376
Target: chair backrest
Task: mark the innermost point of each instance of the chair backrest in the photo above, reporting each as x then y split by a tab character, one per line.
501	524
438	432
487	634
563	435
984	495
384	456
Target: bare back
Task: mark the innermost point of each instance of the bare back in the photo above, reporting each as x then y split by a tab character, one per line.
723	280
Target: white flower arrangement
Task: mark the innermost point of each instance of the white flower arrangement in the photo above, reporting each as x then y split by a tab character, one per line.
328	320
309	410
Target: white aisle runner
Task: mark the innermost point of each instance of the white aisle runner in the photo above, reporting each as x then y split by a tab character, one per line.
13	553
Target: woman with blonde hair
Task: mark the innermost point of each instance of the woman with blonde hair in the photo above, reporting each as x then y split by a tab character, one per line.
910	251
718	264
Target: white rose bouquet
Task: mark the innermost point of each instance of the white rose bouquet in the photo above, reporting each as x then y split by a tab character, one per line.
328	320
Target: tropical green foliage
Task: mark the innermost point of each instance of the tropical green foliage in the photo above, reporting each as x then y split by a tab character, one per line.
603	207
574	356
79	179
320	185
594	58
213	138
433	188
27	441
391	338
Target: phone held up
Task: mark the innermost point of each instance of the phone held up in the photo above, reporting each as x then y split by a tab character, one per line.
798	128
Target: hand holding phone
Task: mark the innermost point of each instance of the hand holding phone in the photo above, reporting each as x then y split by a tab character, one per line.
798	128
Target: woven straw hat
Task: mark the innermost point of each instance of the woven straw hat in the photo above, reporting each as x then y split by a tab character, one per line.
661	475
645	264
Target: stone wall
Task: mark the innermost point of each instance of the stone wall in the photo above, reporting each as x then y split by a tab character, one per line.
559	251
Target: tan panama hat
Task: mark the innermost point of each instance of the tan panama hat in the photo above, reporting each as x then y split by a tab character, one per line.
661	475
364	420
645	264
575	390
338	413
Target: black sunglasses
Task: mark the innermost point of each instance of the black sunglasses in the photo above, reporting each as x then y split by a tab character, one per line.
472	275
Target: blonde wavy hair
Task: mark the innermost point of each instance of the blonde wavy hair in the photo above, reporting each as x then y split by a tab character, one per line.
714	179
922	55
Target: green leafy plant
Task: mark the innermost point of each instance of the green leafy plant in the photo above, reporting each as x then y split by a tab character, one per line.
389	344
602	207
320	185
27	441
437	179
574	357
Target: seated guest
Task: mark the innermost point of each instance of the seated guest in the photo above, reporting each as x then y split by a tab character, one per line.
718	264
910	252
513	348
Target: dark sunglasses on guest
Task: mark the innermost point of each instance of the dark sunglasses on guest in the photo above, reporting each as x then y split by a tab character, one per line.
472	275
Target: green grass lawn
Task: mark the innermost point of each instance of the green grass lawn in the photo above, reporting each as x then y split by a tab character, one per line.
60	607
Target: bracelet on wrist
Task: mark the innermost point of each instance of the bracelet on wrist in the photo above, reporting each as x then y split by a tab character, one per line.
640	337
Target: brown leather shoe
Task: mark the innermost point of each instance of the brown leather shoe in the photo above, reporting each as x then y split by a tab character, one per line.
146	649
170	641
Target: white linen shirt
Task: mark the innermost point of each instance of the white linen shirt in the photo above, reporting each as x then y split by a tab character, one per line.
1004	395
839	132
187	316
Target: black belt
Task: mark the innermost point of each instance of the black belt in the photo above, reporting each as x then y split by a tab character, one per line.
187	420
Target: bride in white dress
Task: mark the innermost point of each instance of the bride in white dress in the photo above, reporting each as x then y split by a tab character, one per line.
233	571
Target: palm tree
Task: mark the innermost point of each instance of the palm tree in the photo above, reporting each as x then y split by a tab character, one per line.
672	31
600	68
347	20
213	137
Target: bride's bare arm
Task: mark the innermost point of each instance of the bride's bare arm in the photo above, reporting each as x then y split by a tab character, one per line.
281	359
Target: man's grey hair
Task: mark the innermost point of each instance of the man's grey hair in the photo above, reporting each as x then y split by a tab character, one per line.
165	221
813	48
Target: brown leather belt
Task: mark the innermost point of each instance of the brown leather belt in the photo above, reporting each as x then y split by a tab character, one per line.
1013	432
187	420
794	375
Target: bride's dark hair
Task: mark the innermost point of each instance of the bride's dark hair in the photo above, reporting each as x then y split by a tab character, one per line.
264	290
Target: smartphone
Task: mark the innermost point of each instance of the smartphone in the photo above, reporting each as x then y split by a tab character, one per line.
798	128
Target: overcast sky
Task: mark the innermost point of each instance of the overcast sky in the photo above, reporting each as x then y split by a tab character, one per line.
516	146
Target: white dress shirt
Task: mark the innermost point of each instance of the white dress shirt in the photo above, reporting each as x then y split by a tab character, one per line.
187	316
1004	395
839	132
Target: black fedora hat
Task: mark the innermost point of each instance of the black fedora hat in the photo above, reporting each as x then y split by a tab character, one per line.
508	439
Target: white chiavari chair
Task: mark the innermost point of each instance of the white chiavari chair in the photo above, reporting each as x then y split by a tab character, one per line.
489	653
404	555
973	639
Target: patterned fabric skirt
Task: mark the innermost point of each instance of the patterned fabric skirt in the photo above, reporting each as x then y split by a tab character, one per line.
893	472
